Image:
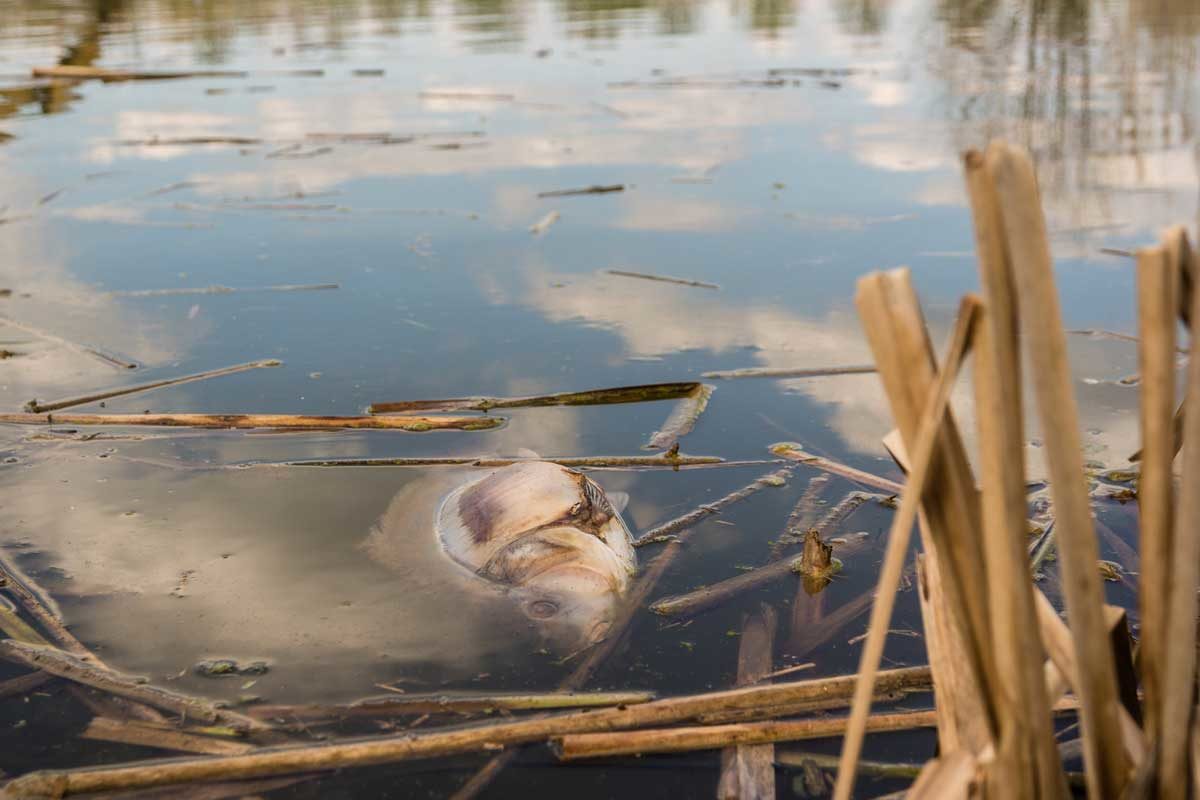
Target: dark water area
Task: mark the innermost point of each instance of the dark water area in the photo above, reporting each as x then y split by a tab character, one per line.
777	149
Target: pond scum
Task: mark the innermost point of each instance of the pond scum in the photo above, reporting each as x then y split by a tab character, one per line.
1003	665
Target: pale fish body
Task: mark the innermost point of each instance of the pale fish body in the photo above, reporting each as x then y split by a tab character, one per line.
551	538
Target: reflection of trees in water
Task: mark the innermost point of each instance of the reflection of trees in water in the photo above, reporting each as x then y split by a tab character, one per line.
1094	91
493	23
770	17
861	17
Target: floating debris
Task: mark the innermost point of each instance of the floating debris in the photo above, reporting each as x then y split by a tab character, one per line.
449	703
749	772
662	278
616	187
107	357
162	737
65	665
761	702
543	224
228	667
667	530
795	452
682	419
591	397
245	421
673	461
35	407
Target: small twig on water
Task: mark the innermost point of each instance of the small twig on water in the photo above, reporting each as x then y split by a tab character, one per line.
33	406
662	278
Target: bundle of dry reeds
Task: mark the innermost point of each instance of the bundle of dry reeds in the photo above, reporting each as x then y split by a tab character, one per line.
1000	655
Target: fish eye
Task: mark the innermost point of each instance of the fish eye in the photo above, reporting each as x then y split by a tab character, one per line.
542	609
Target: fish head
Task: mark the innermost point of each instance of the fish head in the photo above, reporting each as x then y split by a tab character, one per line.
567	582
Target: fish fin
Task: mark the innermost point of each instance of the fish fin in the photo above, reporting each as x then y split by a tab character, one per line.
619	501
525	452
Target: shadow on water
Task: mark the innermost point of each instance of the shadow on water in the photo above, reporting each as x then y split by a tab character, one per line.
398	149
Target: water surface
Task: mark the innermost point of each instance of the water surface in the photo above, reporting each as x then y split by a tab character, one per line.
777	149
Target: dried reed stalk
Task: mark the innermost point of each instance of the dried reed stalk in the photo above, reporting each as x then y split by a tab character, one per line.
145	735
590	397
646	276
680	740
708	597
33	406
748	772
1029	251
667	460
962	724
1026	758
1178	675
664	532
385	749
925	436
1158	287
23	684
243	421
64	665
682	418
399	705
795	452
97	353
30	599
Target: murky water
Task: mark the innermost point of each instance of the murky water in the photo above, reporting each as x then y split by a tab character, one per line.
776	149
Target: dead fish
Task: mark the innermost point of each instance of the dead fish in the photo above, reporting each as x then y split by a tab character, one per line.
552	538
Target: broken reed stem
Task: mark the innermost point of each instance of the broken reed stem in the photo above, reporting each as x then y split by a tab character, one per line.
877	769
681	740
394	706
145	735
663	532
898	540
24	684
804	513
72	668
773	372
666	460
766	700
708	597
1157	284
34	407
748	773
660	278
682	419
590	397
1029	251
108	358
795	452
245	421
1027	761
1179	671
675	533
30	599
